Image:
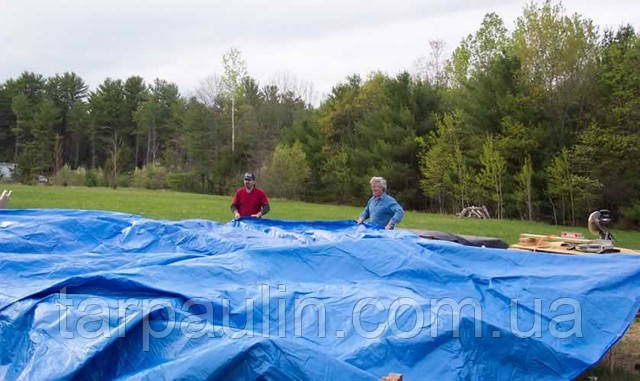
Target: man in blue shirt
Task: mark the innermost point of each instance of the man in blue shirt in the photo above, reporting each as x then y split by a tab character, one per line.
381	209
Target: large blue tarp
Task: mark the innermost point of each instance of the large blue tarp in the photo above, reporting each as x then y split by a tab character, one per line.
101	295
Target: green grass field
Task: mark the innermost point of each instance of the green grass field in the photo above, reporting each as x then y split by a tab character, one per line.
177	205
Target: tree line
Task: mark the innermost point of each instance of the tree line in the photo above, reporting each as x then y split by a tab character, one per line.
539	123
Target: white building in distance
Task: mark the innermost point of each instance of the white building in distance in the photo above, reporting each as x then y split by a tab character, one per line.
7	170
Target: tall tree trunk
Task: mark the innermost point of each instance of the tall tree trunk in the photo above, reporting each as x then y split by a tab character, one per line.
93	152
58	153
154	142
553	208
135	157
76	152
573	209
501	197
529	206
114	160
15	152
148	148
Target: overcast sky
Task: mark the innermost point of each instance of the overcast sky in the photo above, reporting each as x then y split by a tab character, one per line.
320	42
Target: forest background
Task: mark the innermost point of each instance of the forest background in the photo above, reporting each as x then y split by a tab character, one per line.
541	122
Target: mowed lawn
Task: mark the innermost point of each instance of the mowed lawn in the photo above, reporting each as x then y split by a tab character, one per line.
177	205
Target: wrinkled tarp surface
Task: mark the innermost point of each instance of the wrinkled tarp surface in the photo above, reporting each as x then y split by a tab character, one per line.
101	295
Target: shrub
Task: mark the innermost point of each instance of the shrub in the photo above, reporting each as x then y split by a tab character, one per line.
124	180
150	177
67	176
104	177
91	178
184	181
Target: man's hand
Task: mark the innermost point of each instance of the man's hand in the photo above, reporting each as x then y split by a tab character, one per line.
388	227
236	215
257	215
4	198
359	220
392	377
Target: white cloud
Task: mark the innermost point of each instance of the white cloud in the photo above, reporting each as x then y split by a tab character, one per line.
183	42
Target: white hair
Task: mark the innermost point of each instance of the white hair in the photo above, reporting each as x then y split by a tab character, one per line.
380	181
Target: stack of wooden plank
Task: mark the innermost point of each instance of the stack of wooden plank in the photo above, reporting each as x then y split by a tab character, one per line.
475	211
557	244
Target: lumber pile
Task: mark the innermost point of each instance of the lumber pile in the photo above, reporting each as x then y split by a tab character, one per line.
475	211
561	245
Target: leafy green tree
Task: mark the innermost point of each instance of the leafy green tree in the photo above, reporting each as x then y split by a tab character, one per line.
135	92
108	118
339	113
457	68
23	110
463	177
564	183
442	165
338	177
146	118
307	132
492	173
269	113
65	90
29	84
516	141
524	192
24	93
488	43
476	52
79	123
436	176
287	172
44	136
7	122
235	71
154	118
619	80
200	141
558	55
491	95
610	156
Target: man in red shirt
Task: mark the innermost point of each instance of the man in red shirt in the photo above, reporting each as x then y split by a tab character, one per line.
249	201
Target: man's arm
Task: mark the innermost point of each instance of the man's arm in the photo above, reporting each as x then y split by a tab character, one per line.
234	210
364	215
234	206
265	208
398	215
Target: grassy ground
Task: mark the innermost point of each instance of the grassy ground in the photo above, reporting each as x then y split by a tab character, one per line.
177	205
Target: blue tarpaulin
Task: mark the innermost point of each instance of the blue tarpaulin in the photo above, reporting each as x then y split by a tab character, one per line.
102	295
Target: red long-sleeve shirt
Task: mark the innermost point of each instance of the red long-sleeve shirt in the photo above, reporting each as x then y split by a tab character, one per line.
249	203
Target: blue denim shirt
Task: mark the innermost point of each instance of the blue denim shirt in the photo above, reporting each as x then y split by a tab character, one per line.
383	211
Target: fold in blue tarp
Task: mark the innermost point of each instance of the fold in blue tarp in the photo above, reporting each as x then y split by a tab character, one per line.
101	295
